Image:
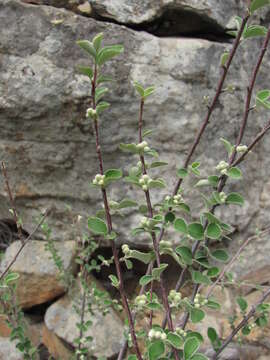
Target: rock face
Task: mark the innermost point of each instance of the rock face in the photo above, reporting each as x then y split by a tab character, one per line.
61	320
39	278
50	148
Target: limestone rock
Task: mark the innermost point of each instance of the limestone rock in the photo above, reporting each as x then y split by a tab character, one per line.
43	102
55	345
61	320
136	11
39	278
8	350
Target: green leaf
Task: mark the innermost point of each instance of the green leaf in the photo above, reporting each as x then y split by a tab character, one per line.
235	198
224	57
100	92
242	303
220	255
139	88
185	253
97	226
154	306
148	91
143	257
147	132
212	334
228	146
129	148
234	173
88	47
158	183
169	217
213	180
263	98
195	334
114	280
202	182
199	278
190	347
199	356
131	357
174	340
213	305
126	203
181	226
246	330
158	164
11	277
213	231
156	272
85	70
196	315
108	52
211	218
182	173
103	105
97	41
113	174
146	279
257	4
196	231
254	31
156	350
262	321
213	271
104	78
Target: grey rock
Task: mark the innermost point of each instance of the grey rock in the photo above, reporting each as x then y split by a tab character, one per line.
8	350
38	280
137	12
49	146
106	331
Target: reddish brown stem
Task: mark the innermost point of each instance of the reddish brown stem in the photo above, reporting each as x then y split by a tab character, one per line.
249	94
212	106
110	229
153	235
12	203
243	323
29	237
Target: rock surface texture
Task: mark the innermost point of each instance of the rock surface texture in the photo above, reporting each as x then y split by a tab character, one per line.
49	146
39	279
61	320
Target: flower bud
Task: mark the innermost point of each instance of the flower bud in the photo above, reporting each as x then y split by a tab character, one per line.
90	112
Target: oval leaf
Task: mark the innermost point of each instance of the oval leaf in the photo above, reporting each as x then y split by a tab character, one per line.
97	226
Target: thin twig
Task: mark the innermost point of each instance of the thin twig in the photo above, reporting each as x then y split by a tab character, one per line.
23	244
243	323
110	227
224	178
12	202
233	259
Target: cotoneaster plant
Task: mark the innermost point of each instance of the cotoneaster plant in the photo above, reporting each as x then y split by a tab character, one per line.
200	264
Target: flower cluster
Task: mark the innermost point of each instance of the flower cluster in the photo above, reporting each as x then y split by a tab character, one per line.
241	148
199	301
174	298
140	301
181	332
92	113
99	180
144	182
156	335
222	197
222	167
143	146
125	249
